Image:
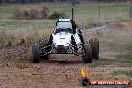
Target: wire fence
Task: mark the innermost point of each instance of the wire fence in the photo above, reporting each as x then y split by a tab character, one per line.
34	21
96	13
85	13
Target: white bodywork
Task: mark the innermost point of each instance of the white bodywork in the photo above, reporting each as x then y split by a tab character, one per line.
64	38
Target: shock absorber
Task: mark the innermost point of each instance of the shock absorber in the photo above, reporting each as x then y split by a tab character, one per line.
74	45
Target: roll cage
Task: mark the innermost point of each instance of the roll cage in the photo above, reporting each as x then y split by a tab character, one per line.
71	27
67	30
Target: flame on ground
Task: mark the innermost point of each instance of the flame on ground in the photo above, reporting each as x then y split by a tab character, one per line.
85	73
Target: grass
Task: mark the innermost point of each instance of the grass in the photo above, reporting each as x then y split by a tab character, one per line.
116	42
78	9
91	10
25	24
99	63
126	58
115	47
31	31
8	38
6	9
117	74
84	15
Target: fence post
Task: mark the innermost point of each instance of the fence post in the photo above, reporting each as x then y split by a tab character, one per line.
130	13
73	10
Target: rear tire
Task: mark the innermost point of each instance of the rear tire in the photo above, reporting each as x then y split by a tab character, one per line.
35	53
95	47
87	58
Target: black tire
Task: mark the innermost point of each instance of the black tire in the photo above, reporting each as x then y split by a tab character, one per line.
95	47
35	53
87	58
43	43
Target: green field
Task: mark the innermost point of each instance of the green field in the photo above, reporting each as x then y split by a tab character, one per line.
84	15
93	9
25	24
78	9
30	30
108	12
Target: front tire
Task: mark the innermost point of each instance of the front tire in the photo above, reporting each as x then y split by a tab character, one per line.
44	43
35	53
87	58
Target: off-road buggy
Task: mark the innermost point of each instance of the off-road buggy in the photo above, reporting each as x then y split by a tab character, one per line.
66	39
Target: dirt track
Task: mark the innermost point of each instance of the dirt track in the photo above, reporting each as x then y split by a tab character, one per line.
16	71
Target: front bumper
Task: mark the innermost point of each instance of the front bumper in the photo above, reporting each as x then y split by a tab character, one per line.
59	49
62	49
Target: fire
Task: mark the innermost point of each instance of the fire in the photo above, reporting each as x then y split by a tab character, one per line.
85	73
87	81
